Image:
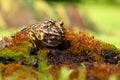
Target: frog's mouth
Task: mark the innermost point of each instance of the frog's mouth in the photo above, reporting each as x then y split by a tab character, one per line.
52	44
53	40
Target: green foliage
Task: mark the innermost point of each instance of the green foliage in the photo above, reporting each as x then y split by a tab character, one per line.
101	1
1	71
82	73
42	65
6	32
88	1
64	73
113	77
106	18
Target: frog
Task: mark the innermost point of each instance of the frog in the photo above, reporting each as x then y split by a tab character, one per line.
50	32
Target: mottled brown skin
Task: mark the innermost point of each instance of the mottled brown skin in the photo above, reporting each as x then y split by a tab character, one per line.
52	33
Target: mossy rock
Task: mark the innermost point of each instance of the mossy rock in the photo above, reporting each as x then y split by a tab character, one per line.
17	52
108	46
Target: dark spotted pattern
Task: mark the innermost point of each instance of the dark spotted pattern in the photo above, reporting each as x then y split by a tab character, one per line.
51	32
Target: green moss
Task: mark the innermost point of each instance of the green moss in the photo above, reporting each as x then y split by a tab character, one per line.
42	53
42	60
43	67
17	52
65	73
108	46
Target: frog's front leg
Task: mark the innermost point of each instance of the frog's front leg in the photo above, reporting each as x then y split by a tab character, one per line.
33	38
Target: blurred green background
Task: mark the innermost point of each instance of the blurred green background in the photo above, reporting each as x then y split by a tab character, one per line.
100	17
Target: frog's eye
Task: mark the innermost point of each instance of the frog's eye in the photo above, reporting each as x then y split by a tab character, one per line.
52	21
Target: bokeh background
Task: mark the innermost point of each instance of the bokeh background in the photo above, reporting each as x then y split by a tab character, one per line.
99	17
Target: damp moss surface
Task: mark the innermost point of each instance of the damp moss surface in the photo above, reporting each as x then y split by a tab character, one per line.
80	56
17	52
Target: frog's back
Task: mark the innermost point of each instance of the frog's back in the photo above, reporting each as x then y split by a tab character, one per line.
31	28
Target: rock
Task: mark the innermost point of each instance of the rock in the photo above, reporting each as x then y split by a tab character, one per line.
4	43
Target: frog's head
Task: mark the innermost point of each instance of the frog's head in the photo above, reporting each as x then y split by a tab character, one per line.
53	33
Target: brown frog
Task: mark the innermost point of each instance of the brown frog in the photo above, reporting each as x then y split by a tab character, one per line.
52	33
